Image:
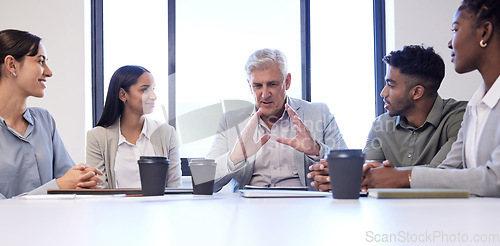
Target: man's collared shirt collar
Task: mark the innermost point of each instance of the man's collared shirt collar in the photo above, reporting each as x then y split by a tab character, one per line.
283	116
434	116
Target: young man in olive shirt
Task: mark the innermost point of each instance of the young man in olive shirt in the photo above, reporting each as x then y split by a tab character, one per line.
419	126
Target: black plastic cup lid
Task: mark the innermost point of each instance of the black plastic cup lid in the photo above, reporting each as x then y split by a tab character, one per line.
153	159
345	153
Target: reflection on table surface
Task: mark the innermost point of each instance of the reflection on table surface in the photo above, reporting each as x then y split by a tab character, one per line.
229	219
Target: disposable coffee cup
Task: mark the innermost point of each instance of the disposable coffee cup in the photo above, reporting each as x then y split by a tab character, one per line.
202	176
153	171
345	168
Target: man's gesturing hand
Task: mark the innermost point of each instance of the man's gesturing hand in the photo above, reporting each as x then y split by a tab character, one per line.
246	146
303	140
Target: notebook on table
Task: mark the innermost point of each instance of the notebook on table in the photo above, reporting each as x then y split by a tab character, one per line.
418	193
131	192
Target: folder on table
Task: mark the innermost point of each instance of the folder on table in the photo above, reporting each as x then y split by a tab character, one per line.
418	193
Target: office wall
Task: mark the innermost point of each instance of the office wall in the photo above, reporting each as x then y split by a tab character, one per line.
429	22
61	25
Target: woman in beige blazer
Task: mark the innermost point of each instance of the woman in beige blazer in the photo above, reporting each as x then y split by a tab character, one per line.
124	132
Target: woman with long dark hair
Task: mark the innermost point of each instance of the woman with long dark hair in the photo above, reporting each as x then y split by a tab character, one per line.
124	133
33	157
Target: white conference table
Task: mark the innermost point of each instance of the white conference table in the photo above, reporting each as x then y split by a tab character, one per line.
228	219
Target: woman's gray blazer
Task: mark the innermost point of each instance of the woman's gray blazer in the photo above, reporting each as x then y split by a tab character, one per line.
102	144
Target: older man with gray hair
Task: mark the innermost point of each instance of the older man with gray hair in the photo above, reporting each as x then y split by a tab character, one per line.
281	135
